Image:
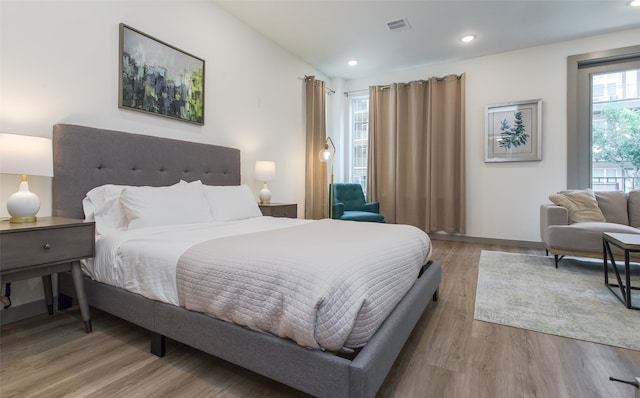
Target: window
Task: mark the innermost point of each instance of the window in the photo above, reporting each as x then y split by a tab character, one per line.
358	139
615	130
599	86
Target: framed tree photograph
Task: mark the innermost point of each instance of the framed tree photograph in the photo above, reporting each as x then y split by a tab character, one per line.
513	132
159	79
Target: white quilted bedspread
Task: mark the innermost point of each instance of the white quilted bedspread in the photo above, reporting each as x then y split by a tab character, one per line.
326	284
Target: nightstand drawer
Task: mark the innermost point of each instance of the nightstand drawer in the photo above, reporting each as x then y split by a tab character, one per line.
23	248
280	210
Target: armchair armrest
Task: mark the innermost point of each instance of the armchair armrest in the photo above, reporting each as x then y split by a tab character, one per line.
373	207
338	210
551	214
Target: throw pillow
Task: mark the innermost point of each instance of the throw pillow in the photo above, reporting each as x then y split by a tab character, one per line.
582	205
613	205
634	208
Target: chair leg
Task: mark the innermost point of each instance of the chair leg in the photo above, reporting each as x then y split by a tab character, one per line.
557	259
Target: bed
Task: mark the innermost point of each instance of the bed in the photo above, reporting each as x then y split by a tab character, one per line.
86	158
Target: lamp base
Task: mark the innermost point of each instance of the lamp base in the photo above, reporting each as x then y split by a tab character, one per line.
21	220
23	205
265	195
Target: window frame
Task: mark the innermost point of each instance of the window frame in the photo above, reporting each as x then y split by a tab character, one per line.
579	68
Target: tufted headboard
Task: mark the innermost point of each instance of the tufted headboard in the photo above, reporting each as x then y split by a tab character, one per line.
85	157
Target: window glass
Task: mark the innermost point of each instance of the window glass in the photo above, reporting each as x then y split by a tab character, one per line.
358	139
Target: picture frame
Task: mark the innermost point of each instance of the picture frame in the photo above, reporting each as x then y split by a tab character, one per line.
158	78
513	131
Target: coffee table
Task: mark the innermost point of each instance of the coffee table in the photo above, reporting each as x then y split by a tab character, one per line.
629	243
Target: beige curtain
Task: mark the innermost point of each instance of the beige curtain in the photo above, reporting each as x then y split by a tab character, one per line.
316	186
416	153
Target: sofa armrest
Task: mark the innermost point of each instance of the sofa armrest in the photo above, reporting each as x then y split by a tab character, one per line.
373	207
338	210
551	214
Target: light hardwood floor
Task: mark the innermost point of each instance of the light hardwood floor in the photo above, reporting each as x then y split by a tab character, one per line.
448	355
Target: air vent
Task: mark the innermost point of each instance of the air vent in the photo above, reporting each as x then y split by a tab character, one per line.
398	25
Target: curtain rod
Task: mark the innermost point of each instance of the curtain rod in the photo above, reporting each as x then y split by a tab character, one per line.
347	93
326	88
439	79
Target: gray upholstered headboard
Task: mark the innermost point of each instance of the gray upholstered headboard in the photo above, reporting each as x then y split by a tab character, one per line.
85	157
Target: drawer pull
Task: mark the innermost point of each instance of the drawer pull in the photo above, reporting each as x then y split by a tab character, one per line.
47	246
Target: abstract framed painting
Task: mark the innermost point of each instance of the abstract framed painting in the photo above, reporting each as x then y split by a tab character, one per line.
159	79
513	131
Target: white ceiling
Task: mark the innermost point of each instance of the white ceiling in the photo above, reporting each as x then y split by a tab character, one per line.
326	34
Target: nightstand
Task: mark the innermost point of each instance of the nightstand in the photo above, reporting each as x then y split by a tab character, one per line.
44	247
279	209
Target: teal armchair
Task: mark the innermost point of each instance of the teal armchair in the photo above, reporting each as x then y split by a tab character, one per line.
349	204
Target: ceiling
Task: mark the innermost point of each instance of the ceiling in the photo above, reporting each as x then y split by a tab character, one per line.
326	34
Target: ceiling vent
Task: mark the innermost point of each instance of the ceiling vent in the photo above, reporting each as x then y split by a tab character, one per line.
398	25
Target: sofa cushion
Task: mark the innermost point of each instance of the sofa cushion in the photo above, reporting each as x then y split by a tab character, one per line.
584	236
613	205
633	199
582	205
354	215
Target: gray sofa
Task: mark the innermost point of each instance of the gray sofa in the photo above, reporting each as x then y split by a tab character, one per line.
564	235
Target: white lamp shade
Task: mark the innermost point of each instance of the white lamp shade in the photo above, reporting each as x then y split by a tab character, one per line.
265	170
23	154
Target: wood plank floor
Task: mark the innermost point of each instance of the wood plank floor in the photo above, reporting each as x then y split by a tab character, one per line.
448	355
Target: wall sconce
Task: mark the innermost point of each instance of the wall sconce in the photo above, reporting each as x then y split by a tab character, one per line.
25	155
326	155
265	171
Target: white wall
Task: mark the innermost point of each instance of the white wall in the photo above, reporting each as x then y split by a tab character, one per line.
503	199
59	64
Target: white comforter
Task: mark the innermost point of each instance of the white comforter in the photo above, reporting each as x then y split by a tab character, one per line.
325	284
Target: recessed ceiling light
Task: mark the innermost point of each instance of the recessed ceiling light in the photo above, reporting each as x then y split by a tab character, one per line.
634	3
468	38
353	62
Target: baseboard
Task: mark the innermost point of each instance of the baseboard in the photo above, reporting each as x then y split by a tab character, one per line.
24	311
487	241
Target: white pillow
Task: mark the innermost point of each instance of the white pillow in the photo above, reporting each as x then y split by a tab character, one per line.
102	205
154	206
233	202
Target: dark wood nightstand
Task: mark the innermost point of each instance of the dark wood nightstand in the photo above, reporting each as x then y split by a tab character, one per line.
279	209
44	247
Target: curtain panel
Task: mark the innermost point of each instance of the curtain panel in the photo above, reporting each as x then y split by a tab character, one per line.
316	188
416	159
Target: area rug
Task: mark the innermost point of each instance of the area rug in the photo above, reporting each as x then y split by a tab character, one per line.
528	292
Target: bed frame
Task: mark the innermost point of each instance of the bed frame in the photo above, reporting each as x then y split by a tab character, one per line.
87	157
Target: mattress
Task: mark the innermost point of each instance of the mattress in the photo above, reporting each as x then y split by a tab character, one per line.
143	261
325	284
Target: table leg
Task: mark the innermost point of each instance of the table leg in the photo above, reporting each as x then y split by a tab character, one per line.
48	292
624	287
627	300
606	262
78	283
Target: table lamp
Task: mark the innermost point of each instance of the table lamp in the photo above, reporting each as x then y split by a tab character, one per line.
326	155
265	171
25	155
